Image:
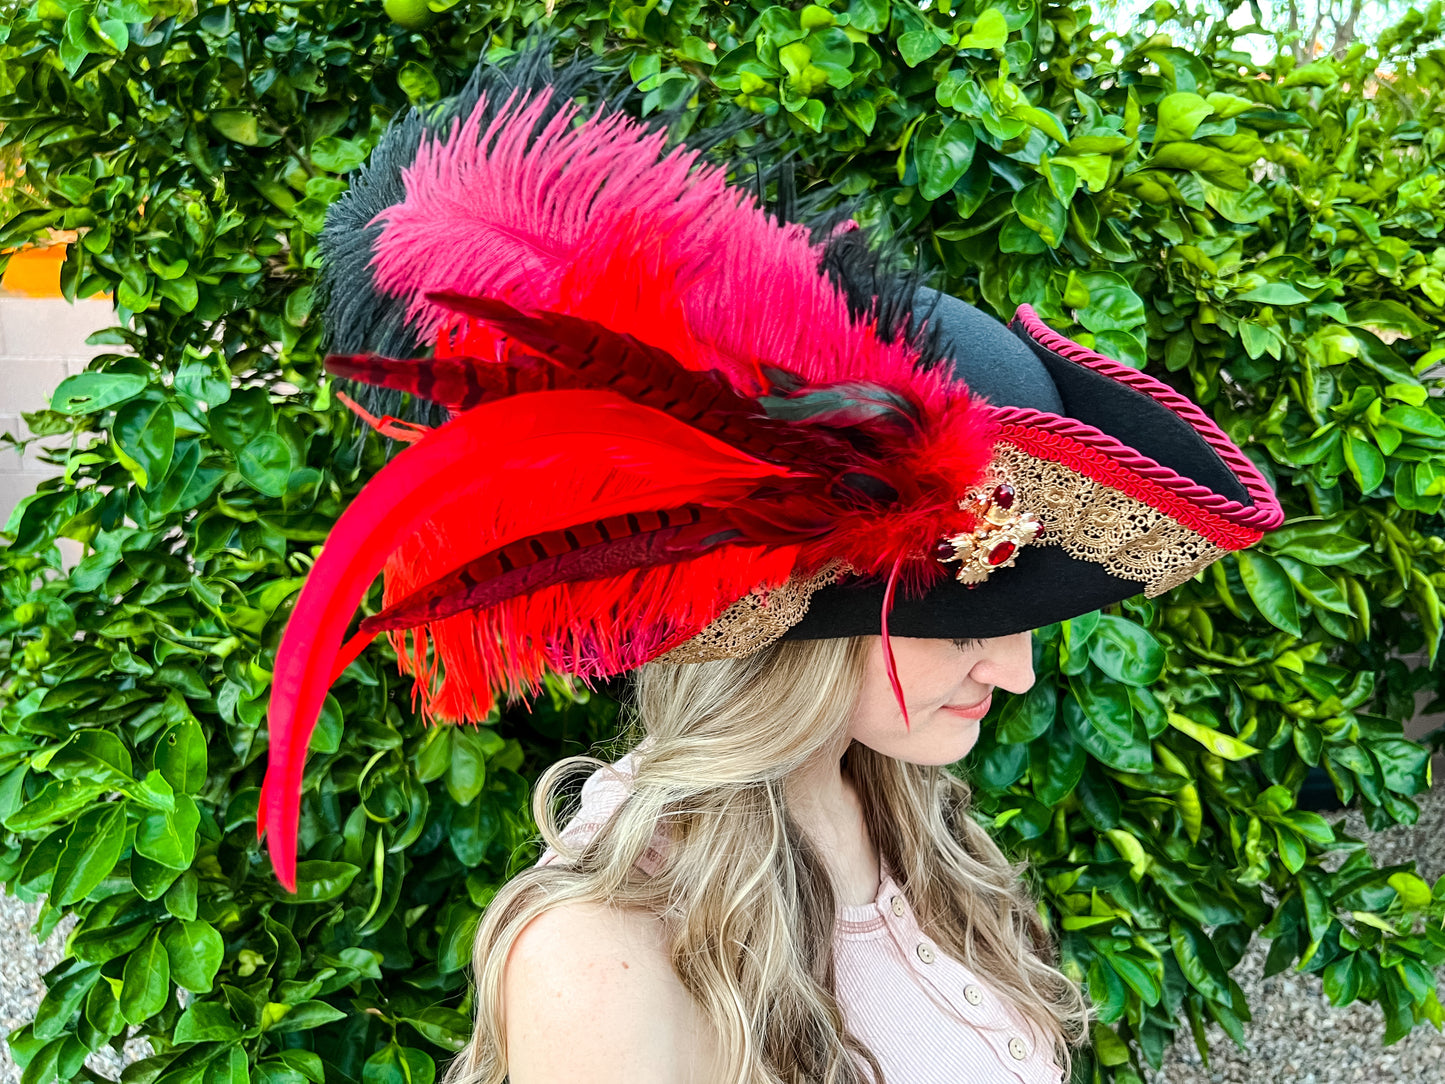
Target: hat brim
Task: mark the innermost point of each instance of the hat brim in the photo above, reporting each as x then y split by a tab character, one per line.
1141	419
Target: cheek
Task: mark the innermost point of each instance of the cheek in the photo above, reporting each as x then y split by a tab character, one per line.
936	737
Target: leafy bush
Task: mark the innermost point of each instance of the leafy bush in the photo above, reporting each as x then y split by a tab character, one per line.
1262	234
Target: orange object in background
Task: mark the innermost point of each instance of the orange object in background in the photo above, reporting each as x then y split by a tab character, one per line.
34	272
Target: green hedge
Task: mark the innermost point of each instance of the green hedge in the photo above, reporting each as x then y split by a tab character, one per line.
1264	236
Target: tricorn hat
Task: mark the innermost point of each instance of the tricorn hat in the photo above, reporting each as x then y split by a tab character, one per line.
673	424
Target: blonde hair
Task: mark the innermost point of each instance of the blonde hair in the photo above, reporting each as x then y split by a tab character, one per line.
746	900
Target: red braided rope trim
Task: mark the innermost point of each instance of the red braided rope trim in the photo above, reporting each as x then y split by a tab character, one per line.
1265	513
1097	455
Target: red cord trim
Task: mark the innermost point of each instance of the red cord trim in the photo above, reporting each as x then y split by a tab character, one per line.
1264	514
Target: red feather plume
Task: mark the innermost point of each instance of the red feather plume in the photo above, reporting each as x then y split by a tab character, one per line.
660	403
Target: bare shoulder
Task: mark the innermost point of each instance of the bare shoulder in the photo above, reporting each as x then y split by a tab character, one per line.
589	994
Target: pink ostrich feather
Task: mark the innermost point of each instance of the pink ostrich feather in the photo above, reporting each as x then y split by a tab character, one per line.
596	218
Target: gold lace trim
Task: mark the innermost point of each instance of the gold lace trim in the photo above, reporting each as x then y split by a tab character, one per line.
1094	522
755	620
1087	519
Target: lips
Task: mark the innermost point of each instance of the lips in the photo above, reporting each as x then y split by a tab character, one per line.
971	711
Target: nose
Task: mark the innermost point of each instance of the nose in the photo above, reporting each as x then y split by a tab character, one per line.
1007	662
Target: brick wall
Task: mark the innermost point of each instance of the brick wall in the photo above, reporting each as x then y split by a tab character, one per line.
42	341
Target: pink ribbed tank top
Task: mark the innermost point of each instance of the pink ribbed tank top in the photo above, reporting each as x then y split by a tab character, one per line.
925	1016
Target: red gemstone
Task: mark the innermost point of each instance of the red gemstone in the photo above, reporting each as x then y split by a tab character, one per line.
1003	496
945	550
1001	553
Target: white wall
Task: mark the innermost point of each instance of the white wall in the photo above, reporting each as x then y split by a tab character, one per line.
42	341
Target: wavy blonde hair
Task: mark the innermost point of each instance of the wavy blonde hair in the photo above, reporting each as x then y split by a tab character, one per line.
746	900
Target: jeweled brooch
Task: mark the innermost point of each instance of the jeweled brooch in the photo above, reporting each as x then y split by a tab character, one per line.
999	530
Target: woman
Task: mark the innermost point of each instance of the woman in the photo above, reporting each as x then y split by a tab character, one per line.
818	510
795	759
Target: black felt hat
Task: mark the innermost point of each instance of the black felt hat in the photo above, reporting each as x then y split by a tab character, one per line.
669	419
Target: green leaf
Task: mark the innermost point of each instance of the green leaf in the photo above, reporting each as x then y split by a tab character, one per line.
266	463
62	999
916	46
317	881
1365	463
1274	293
237	125
151	879
144	433
1269	589
96	756
1026	717
1040	210
1403	764
467	768
207	1021
305	1016
448	1028
1113	304
180	757
169	836
1179	115
1216	741
1056	765
195	950
1091	169
339	155
1104	723
1126	651
181	897
146	983
57	800
1387	314
943	150
1413	892
91	852
90	393
394	1064
1315	586
989	31
1316	544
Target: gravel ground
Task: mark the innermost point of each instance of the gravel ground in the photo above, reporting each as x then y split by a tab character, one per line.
1296	1035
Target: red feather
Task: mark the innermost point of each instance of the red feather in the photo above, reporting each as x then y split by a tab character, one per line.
639	266
593	551
600	357
545	456
458	383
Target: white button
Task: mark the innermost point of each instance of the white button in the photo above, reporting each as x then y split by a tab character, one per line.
972	994
1017	1048
925	953
898	907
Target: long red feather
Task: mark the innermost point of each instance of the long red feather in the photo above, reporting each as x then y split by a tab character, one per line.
545	456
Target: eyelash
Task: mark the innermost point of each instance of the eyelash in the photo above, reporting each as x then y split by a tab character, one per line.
964	645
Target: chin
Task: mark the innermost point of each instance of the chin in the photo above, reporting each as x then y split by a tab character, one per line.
947	748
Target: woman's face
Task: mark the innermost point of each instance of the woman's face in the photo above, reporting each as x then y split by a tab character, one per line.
948	687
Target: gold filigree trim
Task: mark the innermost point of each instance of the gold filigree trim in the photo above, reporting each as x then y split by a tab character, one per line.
1094	522
755	620
1087	519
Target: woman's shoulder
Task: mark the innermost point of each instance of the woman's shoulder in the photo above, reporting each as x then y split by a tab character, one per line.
602	793
590	994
